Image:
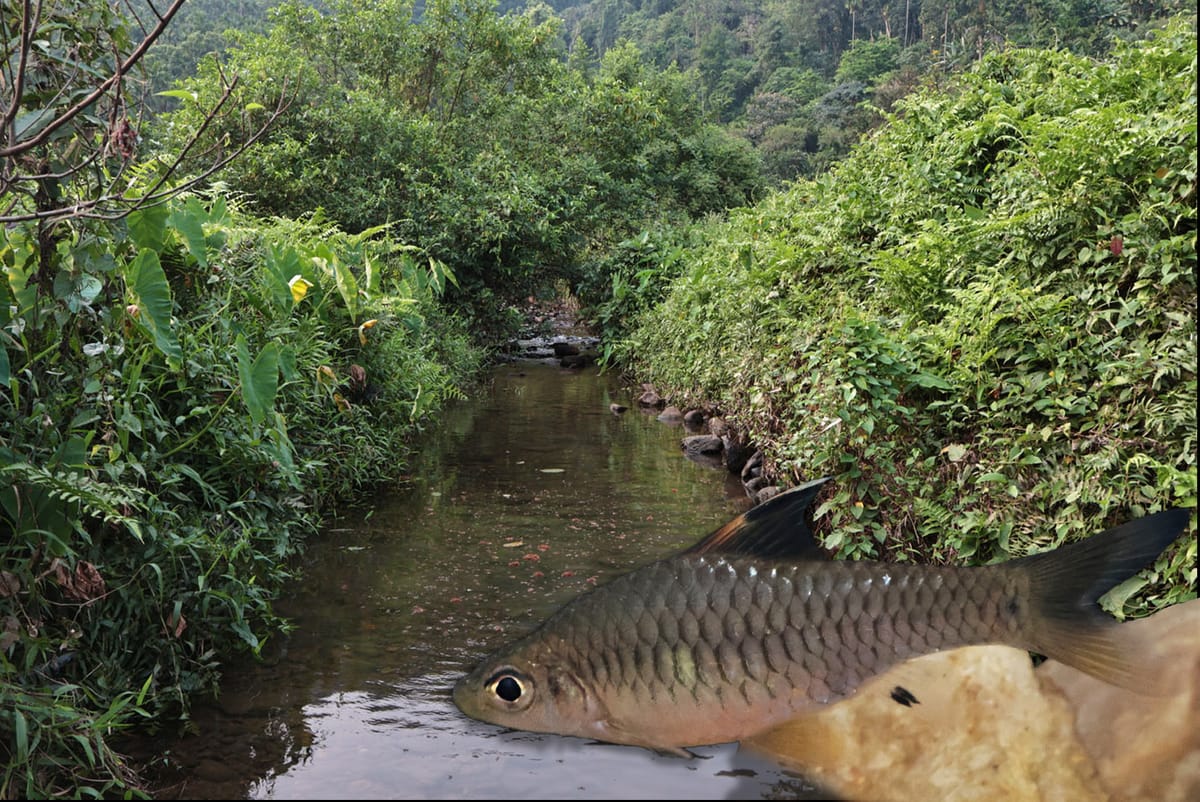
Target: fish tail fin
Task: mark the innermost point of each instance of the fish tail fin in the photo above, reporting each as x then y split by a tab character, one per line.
1067	624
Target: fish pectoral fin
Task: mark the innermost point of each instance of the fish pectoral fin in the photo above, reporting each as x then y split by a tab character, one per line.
679	751
613	732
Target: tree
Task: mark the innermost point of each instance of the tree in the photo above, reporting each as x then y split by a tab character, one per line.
72	104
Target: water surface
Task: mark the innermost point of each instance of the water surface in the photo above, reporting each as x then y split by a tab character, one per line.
521	499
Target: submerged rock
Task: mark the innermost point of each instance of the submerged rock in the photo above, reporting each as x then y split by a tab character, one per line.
670	415
701	444
982	723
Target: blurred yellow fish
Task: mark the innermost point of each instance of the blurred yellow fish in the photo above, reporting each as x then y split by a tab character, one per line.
750	628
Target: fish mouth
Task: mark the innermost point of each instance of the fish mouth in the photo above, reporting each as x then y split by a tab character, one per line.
462	695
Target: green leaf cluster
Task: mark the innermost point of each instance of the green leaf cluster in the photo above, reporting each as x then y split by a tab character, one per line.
983	322
183	404
472	135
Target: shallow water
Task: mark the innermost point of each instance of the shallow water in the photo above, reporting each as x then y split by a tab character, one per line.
521	499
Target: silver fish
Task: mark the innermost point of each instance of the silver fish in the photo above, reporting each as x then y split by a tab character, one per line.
750	628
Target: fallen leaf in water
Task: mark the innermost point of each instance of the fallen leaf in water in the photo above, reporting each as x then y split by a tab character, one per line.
514	563
552	470
512	544
417	609
568	573
537	574
531	557
543	547
456	599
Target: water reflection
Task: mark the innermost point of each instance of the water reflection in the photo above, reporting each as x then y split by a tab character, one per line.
521	499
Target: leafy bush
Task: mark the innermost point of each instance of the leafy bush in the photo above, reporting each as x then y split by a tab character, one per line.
180	415
983	322
472	135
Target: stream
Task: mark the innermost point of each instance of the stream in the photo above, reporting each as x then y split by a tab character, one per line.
517	501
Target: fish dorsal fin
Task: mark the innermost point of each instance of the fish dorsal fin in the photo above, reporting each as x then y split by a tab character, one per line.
778	528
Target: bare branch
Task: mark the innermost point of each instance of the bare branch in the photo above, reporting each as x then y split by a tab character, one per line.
114	80
28	26
113	205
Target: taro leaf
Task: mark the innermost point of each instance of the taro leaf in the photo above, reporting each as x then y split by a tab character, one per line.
76	291
287	364
191	226
260	379
30	124
148	227
148	284
347	286
282	266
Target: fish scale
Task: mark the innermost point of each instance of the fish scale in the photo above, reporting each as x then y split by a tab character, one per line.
722	644
835	622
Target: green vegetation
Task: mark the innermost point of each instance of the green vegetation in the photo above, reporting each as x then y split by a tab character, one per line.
183	410
188	391
983	322
743	57
473	136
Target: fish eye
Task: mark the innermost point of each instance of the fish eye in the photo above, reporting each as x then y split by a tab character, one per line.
508	685
508	689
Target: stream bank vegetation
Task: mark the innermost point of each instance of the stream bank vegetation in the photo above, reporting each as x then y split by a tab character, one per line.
983	322
188	390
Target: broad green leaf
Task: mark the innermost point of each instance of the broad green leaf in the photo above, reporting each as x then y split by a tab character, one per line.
181	94
21	736
246	634
218	212
347	286
30	124
282	267
260	378
148	227
372	277
191	227
76	290
147	284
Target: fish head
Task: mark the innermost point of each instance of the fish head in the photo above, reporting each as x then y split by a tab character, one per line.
532	690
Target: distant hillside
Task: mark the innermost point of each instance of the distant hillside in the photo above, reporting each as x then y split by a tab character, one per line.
195	31
777	70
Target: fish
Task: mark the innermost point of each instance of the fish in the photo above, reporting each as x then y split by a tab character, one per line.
754	626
